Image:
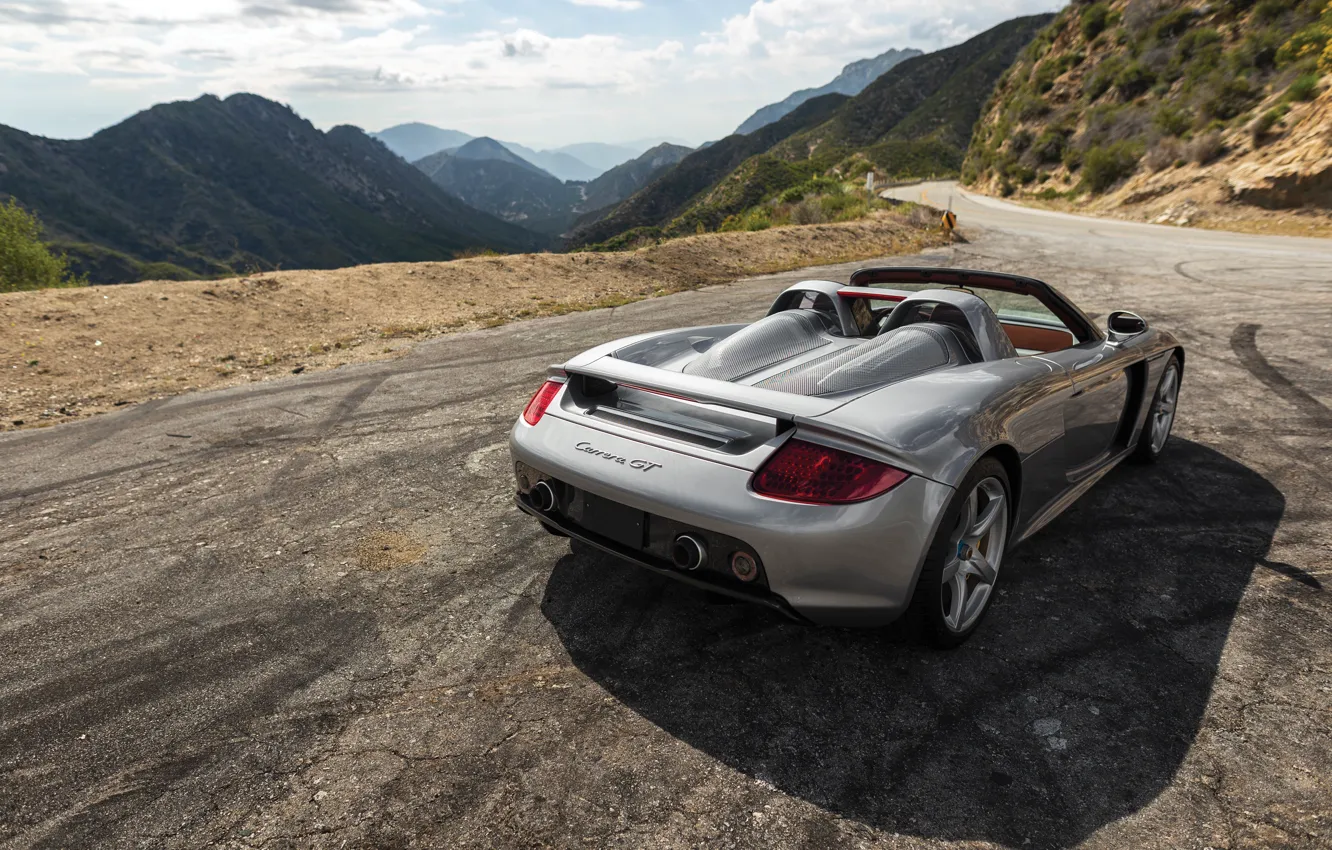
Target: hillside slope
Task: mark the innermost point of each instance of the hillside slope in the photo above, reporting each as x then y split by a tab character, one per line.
1166	104
915	120
211	186
851	81
623	180
664	198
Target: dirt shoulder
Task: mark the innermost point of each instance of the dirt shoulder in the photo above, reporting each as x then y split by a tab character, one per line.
70	353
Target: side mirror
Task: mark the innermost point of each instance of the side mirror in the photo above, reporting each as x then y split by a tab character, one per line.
1124	324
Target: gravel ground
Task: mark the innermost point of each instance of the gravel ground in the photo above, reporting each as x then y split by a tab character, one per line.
304	613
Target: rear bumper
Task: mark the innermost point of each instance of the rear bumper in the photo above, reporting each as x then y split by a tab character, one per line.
843	565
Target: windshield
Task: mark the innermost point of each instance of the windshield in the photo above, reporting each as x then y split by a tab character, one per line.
1006	305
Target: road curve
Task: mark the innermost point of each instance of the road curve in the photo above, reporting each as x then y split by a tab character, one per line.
304	613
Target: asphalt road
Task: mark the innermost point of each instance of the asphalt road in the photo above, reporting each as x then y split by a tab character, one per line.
305	614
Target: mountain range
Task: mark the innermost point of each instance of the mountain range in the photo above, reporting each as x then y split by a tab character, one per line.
582	161
209	187
915	119
852	81
488	175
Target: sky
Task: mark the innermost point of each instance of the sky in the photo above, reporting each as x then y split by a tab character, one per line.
541	72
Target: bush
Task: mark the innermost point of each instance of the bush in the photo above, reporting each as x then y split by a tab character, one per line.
1205	147
1049	146
1134	80
1106	165
1304	88
1099	81
808	211
1171	25
25	261
1020	141
1227	98
1172	121
1271	10
1095	18
1164	154
1028	107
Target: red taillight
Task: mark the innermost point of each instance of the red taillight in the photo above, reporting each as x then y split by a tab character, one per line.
536	408
806	472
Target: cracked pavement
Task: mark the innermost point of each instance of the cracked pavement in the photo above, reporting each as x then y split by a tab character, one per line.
304	613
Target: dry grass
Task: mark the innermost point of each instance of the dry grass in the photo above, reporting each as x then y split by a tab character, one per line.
68	353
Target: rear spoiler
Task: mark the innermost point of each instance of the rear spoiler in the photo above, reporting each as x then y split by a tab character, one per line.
763	402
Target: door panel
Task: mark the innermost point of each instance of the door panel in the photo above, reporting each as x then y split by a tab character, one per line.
1093	412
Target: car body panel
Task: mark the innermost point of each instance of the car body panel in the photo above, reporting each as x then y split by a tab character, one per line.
633	426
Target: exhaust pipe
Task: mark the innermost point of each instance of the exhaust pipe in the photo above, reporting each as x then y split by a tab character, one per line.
689	552
543	498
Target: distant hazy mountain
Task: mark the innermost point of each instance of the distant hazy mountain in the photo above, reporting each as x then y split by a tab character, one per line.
487	175
558	163
415	140
852	81
600	156
487	148
627	178
211	186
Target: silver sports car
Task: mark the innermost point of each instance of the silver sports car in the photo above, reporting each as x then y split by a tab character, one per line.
863	453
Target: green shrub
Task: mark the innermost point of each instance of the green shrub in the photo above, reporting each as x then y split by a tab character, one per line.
1098	82
808	211
1049	193
1049	145
1271	10
1020	141
1171	25
1072	158
1263	124
25	261
1106	165
1172	120
1028	107
1134	80
1304	88
794	195
1095	18
1227	98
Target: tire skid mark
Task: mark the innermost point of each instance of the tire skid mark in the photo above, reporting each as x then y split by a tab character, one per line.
1244	342
82	479
342	411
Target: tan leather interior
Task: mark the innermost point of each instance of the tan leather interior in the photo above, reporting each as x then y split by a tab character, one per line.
1037	339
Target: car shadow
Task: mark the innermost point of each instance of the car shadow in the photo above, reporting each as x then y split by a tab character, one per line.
1073	706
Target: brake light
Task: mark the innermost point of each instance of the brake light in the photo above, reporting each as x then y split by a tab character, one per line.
536	408
819	475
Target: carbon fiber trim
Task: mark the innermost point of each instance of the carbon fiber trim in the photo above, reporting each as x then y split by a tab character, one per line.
894	356
768	341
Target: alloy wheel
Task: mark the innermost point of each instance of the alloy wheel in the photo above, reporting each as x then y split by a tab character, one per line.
979	539
1163	411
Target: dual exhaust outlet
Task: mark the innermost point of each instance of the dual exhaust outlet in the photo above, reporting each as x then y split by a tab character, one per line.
688	552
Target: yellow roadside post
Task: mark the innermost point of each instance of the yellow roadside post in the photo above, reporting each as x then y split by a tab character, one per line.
949	220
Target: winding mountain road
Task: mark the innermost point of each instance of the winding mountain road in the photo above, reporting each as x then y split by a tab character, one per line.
304	613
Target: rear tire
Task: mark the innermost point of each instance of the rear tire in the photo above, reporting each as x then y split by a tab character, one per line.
1160	416
957	581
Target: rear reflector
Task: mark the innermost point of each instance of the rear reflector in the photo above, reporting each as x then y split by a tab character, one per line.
536	408
819	475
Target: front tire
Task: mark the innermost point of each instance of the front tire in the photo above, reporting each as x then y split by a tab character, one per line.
957	580
1160	416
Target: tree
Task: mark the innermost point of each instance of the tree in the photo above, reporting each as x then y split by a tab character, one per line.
25	261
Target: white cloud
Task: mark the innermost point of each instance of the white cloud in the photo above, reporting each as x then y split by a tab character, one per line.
618	5
378	62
